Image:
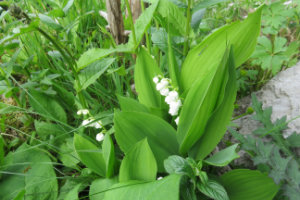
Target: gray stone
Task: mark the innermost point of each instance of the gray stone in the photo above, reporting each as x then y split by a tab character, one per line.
282	93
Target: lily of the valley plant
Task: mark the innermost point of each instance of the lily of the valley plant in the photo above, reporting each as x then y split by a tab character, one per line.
167	136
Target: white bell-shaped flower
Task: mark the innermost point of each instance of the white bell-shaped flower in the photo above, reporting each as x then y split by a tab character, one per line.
162	84
177	120
172	96
164	92
100	137
156	79
85	122
83	112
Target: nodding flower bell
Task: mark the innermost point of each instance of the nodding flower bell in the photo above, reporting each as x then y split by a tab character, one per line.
163	84
87	122
177	120
100	137
83	112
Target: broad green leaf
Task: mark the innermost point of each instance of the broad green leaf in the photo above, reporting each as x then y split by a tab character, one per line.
199	104
142	24
145	70
47	106
129	104
218	121
50	22
99	187
248	185
90	155
213	189
31	170
205	57
173	14
131	127
92	72
224	157
138	164
95	54
166	188
109	155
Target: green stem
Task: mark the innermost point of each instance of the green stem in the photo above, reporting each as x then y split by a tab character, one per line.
70	62
146	33
131	22
187	28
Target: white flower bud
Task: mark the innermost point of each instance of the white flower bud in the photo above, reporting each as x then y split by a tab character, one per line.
164	92
165	82
85	122
159	178
97	124
159	86
173	111
287	3
156	79
175	104
83	112
100	137
177	120
172	96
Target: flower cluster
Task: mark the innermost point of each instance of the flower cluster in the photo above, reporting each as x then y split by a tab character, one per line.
91	122
172	97
83	112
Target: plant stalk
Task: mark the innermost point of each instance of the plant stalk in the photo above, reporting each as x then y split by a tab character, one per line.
146	33
187	28
131	22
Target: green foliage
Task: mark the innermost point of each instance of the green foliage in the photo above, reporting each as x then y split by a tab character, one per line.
99	187
200	102
272	56
132	127
28	170
242	35
47	106
224	157
248	184
213	190
138	164
145	69
275	16
108	150
167	188
92	72
90	155
274	156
